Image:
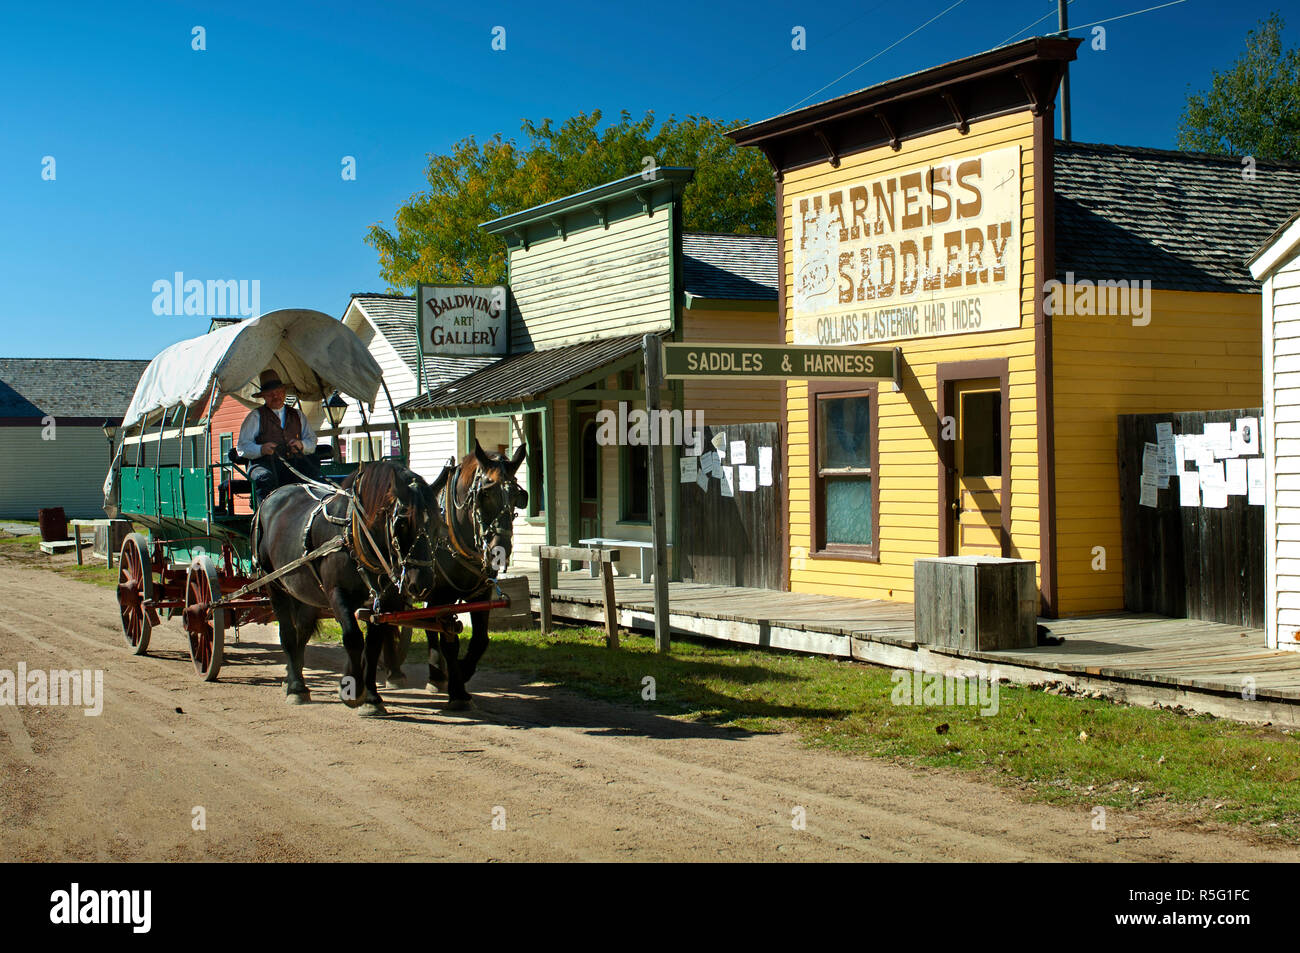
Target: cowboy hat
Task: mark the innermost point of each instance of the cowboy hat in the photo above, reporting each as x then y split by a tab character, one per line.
269	380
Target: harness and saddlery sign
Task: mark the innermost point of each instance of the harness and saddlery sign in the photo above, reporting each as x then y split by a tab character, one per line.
465	320
782	363
929	251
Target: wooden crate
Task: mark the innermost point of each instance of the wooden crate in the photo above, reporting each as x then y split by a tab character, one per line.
976	603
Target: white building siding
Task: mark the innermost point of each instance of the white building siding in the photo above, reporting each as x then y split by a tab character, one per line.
67	471
1282	453
596	283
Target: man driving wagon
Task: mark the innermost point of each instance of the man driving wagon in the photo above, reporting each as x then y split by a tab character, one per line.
273	435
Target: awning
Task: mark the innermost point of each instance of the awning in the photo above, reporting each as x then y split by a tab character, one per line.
521	382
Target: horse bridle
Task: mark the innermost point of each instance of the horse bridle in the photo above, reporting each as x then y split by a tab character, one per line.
476	557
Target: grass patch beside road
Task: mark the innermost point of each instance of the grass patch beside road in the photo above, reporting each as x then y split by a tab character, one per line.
1060	749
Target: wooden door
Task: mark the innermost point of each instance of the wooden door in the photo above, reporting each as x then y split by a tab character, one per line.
975	500
587	472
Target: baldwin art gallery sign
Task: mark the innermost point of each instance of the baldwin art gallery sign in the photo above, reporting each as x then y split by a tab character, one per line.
924	252
462	319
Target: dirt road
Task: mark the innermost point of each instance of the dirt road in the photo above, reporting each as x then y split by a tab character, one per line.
567	778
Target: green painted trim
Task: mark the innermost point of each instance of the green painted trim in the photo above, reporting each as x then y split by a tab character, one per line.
569	390
419	346
674	177
471	412
698	303
549	480
596	393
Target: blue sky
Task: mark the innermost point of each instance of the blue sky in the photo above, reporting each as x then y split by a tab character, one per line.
226	163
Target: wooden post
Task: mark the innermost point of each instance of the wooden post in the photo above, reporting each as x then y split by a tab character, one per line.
659	531
544	565
611	607
76	540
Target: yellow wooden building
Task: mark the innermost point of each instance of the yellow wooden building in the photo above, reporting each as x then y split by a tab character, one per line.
1038	289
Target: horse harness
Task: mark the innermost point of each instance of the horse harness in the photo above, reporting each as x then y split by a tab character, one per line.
471	555
353	542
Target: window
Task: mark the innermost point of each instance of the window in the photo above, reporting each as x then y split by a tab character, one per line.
367	449
536	464
845	497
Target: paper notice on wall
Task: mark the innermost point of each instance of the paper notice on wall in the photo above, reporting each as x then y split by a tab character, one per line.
764	466
1214	488
1180	454
1150	469
719	439
738	451
1166	456
1189	489
709	463
1219	439
702	480
1245	436
1255	481
1236	477
695	442
728	481
1204	452
748	479
688	466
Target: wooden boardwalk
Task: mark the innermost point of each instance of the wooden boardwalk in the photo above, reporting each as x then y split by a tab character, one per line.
1145	659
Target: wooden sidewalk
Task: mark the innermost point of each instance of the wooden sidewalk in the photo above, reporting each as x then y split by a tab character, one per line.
1144	659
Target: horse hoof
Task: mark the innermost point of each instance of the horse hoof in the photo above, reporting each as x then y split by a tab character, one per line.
297	698
396	681
372	710
438	687
460	704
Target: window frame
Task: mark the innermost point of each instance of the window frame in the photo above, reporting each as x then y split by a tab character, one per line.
818	549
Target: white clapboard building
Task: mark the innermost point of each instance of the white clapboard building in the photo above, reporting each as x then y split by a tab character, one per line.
386	325
1277	265
53	449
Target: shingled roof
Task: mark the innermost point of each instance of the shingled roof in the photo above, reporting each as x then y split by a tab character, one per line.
1186	221
394	316
734	267
67	386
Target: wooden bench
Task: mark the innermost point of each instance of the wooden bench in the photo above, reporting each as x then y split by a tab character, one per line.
647	553
605	558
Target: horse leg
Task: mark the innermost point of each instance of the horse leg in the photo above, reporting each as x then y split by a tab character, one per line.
295	689
306	619
478	643
376	635
457	698
350	691
437	671
394	657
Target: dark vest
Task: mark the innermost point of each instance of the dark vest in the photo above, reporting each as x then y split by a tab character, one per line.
270	430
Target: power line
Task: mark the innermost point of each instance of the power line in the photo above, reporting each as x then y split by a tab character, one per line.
881	53
1123	16
1030	26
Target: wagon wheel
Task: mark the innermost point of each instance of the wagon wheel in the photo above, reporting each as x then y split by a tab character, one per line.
206	629
134	588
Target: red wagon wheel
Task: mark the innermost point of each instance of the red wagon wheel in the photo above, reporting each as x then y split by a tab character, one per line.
205	628
134	588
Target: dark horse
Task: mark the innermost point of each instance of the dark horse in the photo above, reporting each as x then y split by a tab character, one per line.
477	502
383	513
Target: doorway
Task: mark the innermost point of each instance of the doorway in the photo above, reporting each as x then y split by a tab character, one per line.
975	459
586	471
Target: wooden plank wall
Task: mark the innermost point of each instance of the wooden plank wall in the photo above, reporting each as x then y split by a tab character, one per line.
734	541
596	283
1183	561
734	401
909	429
1199	352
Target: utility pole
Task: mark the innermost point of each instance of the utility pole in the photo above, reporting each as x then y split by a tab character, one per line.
1065	71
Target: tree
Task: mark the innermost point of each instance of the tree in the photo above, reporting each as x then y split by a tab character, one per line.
1253	108
436	238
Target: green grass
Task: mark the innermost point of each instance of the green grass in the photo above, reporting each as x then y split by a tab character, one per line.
1201	766
90	571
